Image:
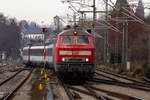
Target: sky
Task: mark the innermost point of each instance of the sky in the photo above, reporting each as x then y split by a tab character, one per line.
39	11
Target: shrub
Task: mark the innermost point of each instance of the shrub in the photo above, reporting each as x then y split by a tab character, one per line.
138	70
147	72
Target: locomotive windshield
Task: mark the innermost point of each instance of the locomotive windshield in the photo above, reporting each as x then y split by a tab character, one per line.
67	40
83	40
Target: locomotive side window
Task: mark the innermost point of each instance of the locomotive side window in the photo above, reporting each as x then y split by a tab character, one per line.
83	40
67	40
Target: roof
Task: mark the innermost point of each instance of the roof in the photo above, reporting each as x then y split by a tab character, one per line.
70	32
38	47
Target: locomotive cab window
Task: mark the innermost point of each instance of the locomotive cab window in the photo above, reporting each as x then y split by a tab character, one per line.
83	40
67	40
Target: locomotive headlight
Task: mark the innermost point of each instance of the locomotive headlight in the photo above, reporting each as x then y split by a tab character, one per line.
87	59
63	59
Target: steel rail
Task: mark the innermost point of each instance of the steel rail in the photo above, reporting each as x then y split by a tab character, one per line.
122	76
101	97
89	93
106	76
10	77
146	79
70	95
113	79
9	95
65	86
110	82
115	94
11	70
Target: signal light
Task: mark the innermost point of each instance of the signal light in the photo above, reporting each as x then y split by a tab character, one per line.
89	31
75	33
108	45
45	29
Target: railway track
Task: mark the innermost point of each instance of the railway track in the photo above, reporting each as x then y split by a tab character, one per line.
75	93
135	84
123	84
68	92
87	90
96	95
10	86
115	94
3	65
118	77
146	79
11	70
90	91
9	78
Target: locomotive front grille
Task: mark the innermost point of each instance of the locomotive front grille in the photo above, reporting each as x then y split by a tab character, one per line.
75	59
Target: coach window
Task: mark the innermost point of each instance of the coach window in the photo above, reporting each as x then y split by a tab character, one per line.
25	52
49	51
83	40
67	40
37	52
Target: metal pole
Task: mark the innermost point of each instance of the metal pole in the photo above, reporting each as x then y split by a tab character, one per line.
82	21
93	24
44	49
94	14
149	52
105	48
94	19
106	36
126	42
124	45
29	53
58	25
84	18
74	19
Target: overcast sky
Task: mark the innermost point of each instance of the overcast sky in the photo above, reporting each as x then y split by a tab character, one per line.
33	10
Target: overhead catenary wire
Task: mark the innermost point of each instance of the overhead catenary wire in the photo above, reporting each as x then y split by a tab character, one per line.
132	15
110	26
74	9
112	5
140	20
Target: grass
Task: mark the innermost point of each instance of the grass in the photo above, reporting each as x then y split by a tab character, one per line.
137	70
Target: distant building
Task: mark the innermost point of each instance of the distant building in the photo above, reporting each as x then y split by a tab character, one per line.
121	3
121	8
140	10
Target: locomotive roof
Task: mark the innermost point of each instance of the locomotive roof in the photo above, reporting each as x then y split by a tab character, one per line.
70	32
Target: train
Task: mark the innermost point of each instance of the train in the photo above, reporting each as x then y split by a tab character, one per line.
72	53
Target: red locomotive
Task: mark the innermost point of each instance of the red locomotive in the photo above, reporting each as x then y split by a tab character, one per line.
72	53
75	52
